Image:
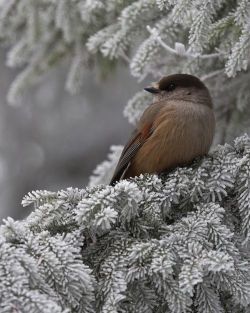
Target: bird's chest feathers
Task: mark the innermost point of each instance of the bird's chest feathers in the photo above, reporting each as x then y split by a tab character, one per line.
180	129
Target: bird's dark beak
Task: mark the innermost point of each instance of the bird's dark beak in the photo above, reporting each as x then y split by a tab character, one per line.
153	88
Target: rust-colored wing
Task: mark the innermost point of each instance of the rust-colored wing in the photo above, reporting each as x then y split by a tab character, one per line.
136	141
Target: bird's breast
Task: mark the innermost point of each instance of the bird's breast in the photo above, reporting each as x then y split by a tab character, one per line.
179	135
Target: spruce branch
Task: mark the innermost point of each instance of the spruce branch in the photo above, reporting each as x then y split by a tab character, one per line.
177	242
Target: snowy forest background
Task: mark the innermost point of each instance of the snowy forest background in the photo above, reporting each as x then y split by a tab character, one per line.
51	139
174	243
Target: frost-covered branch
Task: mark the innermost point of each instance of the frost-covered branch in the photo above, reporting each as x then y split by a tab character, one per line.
179	48
211	75
150	244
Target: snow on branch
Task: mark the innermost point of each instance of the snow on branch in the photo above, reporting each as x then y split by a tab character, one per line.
179	48
149	244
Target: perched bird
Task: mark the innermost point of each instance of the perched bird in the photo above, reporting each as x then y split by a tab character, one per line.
176	128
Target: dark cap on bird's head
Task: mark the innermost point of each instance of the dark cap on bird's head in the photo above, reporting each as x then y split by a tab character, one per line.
168	83
178	86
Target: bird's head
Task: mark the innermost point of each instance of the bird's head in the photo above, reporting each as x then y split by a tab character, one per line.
181	87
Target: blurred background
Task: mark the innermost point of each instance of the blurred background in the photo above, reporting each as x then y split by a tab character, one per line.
53	140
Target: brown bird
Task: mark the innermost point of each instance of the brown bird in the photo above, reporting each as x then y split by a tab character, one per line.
176	128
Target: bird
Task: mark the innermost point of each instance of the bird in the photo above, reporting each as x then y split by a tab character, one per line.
175	129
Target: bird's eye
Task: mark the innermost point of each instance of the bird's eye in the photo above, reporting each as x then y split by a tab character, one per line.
171	87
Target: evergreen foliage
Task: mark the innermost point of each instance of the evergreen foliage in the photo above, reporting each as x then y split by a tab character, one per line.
174	243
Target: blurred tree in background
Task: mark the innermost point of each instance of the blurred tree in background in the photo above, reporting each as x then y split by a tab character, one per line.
53	139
